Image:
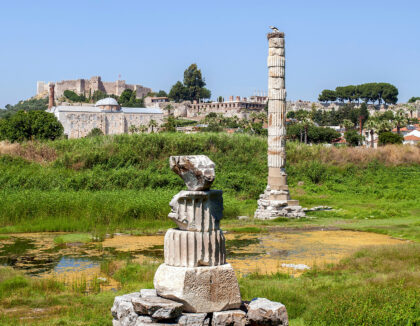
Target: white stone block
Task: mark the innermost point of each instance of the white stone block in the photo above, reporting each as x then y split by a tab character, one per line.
200	289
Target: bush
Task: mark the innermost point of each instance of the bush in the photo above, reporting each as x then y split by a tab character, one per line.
95	132
23	126
72	96
389	137
353	138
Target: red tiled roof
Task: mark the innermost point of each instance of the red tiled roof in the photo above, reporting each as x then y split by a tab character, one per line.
412	137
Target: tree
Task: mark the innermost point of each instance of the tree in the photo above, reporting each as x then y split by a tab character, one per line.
194	82
352	138
98	95
72	96
39	125
132	129
95	132
152	124
390	138
347	124
169	109
220	99
32	104
178	92
413	99
327	95
161	93
192	88
372	125
169	125
400	120
143	128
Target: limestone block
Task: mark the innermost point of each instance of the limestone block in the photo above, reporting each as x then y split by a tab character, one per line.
262	311
276	51
275	42
192	249
276	83
144	320
157	308
123	308
277	94
193	319
197	171
277	72
148	293
229	317
200	289
197	210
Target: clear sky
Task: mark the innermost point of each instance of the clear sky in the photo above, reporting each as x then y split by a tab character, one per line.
328	43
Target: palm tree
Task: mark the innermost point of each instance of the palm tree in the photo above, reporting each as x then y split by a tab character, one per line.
372	125
132	129
168	108
152	124
400	120
142	128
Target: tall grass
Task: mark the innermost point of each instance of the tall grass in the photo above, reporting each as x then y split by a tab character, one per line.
125	181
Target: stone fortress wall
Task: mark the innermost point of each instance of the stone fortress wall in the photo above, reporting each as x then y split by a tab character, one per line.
89	86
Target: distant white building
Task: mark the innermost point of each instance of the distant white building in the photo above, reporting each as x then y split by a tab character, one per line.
412	138
106	115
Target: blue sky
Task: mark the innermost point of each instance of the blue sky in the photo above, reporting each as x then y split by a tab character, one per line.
328	43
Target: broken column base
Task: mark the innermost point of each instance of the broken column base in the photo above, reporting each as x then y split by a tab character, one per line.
270	206
199	289
146	308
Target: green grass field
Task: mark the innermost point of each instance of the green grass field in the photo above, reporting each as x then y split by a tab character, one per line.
123	183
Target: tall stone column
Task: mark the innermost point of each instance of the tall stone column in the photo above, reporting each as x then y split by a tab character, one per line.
275	201
51	95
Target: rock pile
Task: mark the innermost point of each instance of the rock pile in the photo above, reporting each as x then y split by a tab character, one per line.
195	285
137	309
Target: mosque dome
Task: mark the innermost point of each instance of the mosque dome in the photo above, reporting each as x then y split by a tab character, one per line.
108	104
107	101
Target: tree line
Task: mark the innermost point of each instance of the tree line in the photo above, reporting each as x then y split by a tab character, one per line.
369	92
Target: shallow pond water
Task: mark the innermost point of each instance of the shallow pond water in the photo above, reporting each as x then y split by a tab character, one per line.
38	255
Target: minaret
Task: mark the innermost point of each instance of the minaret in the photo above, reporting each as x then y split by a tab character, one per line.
275	201
51	96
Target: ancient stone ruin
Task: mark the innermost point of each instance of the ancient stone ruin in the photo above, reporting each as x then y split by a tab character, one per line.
195	285
275	201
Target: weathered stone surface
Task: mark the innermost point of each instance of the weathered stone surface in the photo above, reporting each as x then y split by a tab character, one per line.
148	293
197	171
200	289
123	310
144	320
193	319
197	210
262	311
192	249
157	308
229	318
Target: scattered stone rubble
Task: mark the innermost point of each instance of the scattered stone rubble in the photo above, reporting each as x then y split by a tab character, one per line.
195	285
135	309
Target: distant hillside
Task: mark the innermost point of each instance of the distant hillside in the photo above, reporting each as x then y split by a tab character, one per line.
34	103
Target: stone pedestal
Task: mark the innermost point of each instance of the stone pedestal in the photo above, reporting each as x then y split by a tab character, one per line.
275	201
200	289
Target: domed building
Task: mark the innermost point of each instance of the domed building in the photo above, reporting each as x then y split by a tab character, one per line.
106	115
108	104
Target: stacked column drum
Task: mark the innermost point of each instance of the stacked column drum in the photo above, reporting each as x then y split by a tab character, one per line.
195	271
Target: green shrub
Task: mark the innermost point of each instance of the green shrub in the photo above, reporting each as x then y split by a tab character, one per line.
389	137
